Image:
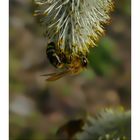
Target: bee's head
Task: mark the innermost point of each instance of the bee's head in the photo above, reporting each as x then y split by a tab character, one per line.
84	61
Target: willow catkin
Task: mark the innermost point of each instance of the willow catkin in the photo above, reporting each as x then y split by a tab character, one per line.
74	25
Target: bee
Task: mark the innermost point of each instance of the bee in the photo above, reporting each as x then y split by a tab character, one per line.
72	64
68	130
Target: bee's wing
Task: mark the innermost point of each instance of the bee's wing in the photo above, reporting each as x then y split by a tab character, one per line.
50	74
57	76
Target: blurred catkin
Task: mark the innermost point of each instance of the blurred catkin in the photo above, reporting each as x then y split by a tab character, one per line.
108	125
74	25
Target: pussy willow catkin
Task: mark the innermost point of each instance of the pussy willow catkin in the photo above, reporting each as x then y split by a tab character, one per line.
74	25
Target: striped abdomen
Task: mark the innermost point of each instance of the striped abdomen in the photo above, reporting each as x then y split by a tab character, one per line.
53	56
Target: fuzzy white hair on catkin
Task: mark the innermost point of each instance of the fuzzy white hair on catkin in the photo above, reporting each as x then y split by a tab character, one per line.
74	25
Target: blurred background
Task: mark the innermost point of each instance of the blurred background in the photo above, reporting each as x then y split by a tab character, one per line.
39	108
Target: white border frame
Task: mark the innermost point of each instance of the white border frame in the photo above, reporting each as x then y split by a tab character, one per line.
4	68
135	65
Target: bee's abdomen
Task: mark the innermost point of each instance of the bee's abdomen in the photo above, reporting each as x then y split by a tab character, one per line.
52	55
50	48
